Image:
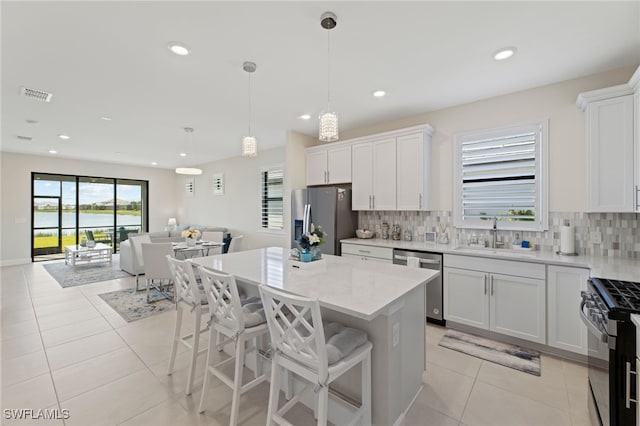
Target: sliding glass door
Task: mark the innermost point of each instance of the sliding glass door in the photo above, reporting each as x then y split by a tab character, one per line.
68	210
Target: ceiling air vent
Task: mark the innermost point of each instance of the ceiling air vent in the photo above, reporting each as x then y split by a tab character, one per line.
38	95
24	138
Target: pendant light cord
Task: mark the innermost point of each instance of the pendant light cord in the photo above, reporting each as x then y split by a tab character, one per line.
249	103
328	70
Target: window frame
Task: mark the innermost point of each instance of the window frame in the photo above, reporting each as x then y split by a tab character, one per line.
541	222
263	201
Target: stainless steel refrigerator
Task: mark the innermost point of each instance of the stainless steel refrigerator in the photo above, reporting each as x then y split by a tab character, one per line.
329	207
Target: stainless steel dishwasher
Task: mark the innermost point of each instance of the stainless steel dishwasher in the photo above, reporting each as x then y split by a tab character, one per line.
427	260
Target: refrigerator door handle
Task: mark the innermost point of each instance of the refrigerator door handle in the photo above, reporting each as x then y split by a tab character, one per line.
307	214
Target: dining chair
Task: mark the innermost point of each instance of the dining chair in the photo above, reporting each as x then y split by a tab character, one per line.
235	323
156	267
136	252
236	244
214	236
299	345
190	298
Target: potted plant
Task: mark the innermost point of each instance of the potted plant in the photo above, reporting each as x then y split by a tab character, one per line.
309	243
190	236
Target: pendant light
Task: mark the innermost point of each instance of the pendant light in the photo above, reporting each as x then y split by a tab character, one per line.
188	170
328	124
249	143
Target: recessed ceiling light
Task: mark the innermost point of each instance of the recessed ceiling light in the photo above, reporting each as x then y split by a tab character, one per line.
183	154
505	53
65	137
53	151
178	48
304	117
106	118
154	163
379	93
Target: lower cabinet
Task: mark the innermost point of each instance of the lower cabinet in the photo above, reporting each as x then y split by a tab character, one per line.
566	329
483	297
373	253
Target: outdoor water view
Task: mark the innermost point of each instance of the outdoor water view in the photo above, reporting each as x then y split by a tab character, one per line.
68	209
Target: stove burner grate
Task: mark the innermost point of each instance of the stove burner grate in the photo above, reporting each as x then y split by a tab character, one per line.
624	294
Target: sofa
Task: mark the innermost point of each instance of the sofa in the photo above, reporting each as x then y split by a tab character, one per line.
130	258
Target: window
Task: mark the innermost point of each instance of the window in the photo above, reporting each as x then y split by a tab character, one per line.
501	173
272	215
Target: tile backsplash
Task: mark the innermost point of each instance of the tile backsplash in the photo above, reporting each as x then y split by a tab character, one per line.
619	233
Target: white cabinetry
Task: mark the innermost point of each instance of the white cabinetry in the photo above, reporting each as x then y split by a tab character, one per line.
566	329
376	254
502	296
391	170
611	119
329	165
413	164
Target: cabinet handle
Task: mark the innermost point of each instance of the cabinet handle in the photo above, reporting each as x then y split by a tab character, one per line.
369	202
628	399
373	203
485	284
637	201
328	176
491	280
419	201
364	251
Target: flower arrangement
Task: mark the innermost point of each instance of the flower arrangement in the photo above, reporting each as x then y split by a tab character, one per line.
312	239
191	233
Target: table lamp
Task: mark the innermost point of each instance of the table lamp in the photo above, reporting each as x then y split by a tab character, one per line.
172	223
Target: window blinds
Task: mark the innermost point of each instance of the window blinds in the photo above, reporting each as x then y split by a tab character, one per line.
499	177
272	199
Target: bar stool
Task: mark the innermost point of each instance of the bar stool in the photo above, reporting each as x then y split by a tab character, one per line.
237	324
191	297
299	345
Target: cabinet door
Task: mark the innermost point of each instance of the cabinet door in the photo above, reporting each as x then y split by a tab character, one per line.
412	192
465	297
362	171
518	307
610	175
566	329
339	164
384	174
316	167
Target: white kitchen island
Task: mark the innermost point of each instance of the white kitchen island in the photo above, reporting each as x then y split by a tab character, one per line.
387	301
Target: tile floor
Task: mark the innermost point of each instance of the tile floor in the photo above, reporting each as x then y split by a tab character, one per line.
67	349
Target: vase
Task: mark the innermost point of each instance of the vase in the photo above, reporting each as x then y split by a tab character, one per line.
305	256
191	242
316	253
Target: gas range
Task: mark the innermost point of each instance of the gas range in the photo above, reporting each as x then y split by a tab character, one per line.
606	311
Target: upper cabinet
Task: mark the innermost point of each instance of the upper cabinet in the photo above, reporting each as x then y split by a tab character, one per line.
391	170
329	164
613	138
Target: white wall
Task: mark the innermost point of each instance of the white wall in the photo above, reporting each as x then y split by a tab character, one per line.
567	156
15	223
296	172
239	208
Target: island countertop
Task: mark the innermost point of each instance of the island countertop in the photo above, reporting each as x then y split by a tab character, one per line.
351	286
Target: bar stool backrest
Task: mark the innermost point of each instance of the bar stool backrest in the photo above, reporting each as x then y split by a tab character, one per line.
184	280
224	302
295	325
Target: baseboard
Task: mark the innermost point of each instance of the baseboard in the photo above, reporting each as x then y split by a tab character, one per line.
14	262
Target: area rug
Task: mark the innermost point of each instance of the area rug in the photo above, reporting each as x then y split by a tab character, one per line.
84	273
132	305
518	358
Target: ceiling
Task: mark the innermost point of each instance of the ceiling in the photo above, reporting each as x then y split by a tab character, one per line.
111	59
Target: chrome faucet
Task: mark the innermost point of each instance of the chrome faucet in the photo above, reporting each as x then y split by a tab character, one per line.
496	243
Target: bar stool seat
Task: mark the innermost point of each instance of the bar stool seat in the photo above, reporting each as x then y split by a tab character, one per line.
234	322
300	346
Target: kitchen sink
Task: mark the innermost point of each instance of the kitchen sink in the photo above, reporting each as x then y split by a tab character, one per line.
495	251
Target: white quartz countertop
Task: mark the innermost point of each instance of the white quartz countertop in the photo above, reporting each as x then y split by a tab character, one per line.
351	286
615	268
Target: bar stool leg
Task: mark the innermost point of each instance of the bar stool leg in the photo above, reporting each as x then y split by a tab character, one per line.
323	405
237	381
176	337
194	349
366	390
203	397
274	390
